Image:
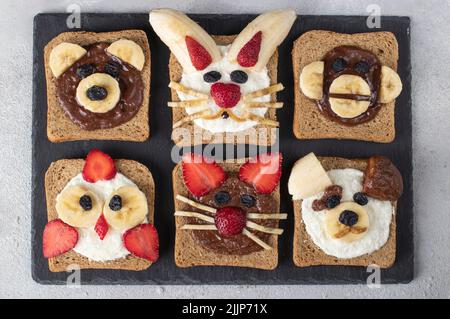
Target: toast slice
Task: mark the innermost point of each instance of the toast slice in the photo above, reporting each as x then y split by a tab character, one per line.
306	253
59	126
188	253
309	123
59	174
268	134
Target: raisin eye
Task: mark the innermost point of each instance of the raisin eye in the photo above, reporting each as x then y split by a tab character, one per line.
339	64
85	70
222	197
211	76
360	198
238	76
248	200
112	68
362	67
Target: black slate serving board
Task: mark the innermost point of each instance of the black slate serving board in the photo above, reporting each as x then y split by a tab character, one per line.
155	153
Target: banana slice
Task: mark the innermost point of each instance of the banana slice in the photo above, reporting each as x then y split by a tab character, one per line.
274	25
336	230
63	56
307	178
349	84
125	208
78	206
391	85
102	80
128	51
311	80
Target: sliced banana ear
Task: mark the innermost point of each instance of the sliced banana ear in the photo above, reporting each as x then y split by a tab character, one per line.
311	80
274	27
391	85
174	27
128	51
63	56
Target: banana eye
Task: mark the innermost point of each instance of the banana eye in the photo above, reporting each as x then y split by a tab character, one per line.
238	76
125	208
211	76
78	206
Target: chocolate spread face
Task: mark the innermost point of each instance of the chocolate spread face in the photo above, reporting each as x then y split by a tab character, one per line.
371	73
238	244
130	83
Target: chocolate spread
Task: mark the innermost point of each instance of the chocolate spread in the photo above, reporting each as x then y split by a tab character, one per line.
352	55
131	91
382	180
239	244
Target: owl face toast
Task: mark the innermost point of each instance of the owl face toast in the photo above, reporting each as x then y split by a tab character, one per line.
223	88
102	216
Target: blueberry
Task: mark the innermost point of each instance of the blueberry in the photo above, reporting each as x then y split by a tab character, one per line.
112	68
115	203
211	76
360	198
85	70
96	93
86	202
333	201
348	218
222	197
225	115
362	67
239	76
339	64
248	200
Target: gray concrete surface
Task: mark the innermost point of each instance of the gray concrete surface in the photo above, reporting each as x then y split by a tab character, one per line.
431	114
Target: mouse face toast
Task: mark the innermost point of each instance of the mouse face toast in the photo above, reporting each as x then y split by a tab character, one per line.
223	87
346	86
227	214
100	214
98	86
345	211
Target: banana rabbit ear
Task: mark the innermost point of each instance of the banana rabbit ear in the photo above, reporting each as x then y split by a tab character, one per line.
254	46
192	46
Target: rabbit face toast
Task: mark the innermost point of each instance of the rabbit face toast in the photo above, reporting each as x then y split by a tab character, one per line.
223	88
346	211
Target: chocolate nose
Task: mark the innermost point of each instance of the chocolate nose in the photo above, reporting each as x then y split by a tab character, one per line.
225	95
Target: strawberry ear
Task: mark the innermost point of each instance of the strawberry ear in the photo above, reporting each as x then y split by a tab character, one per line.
248	55
263	173
199	56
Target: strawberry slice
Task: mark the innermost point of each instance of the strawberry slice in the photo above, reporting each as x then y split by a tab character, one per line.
142	241
200	58
248	55
264	174
101	227
201	175
98	166
58	238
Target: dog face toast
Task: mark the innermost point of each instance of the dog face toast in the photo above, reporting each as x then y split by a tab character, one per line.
223	88
100	218
346	212
228	211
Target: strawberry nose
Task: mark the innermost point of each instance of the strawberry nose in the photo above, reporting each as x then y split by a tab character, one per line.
226	95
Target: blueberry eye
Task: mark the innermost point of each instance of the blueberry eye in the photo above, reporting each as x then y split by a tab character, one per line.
339	64
86	202
211	76
85	70
248	200
360	198
222	197
238	76
112	68
362	67
333	201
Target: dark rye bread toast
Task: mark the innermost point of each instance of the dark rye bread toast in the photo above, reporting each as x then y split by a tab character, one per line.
309	123
189	253
59	174
200	136
306	253
59	126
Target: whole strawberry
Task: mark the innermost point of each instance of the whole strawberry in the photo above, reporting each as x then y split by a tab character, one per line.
226	95
230	221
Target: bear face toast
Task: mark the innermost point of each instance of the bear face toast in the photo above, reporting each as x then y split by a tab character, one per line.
98	86
98	217
223	88
227	214
344	210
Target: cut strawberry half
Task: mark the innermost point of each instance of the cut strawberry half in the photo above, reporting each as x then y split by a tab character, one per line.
142	241
201	175
101	227
200	58
58	238
248	55
264	173
98	166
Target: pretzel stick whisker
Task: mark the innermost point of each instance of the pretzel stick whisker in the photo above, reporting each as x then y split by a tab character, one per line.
199	227
184	89
266	216
194	214
266	91
187	103
189	118
257	105
195	204
264	229
256	239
